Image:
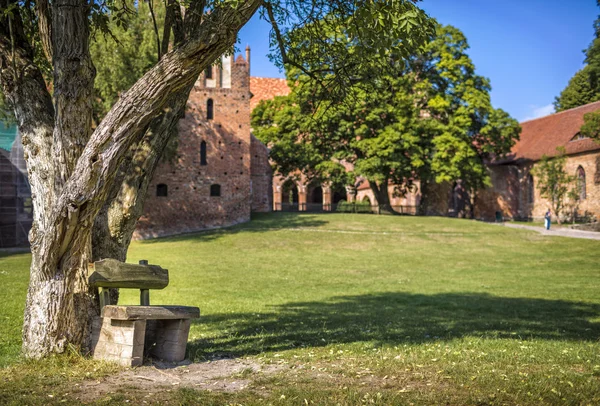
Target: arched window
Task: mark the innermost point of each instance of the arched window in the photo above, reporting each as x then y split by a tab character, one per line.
161	190
208	73
210	109
215	190
581	183
203	153
530	190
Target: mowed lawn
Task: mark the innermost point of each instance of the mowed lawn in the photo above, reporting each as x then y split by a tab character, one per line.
359	309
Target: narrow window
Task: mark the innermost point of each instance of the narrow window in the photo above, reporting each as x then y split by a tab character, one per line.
161	190
208	73
581	183
215	190
210	107
530	190
203	153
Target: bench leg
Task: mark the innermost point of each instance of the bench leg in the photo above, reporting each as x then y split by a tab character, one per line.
171	339
121	341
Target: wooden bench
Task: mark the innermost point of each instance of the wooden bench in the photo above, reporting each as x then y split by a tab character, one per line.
126	333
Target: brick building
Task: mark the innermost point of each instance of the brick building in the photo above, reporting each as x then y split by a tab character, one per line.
515	191
220	172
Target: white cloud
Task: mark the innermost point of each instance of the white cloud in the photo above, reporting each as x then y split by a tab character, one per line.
537	112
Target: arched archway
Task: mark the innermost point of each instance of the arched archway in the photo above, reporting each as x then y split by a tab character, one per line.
314	197
289	197
339	194
366	200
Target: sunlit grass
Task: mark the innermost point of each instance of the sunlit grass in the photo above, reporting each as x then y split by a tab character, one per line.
376	309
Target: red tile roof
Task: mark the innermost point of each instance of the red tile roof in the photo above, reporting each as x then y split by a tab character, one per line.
266	89
542	135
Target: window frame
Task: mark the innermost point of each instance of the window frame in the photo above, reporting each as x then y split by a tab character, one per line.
215	190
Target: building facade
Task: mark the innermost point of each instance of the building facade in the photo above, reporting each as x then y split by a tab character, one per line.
515	190
220	172
218	175
514	193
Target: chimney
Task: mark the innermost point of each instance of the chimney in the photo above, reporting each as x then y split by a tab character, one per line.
248	57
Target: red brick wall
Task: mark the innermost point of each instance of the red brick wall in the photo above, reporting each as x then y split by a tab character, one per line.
510	190
262	177
503	196
189	206
590	164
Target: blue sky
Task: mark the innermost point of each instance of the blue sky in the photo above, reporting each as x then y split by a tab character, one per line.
529	49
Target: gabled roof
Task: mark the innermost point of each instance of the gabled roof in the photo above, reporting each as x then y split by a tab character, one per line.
543	135
266	89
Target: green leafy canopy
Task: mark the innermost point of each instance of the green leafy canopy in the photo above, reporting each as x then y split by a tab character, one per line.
426	116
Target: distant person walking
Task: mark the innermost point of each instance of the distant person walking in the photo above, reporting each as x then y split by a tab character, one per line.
547	219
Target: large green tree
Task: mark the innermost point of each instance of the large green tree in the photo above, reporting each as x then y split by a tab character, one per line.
88	183
580	90
584	86
123	54
427	117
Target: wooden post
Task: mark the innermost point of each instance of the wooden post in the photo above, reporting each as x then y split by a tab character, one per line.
104	297
145	297
144	293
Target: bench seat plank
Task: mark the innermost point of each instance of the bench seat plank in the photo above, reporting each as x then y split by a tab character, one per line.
110	273
150	312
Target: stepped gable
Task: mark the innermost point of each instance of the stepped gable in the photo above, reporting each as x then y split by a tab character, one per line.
543	135
266	89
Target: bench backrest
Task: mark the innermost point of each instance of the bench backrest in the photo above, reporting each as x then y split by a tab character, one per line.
110	273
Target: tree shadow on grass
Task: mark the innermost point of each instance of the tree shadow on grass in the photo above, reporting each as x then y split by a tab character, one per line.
396	318
260	223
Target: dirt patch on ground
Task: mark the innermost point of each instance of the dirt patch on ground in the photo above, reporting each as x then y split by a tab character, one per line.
226	375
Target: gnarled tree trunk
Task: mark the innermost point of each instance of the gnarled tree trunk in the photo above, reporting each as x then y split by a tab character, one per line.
72	178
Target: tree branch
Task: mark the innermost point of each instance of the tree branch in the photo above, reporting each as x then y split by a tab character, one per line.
93	177
44	16
25	90
176	22
158	49
73	84
281	44
167	28
193	16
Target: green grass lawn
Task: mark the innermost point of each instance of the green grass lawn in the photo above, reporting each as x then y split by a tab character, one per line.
360	309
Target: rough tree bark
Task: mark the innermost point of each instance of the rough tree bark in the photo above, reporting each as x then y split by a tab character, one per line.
115	223
68	196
